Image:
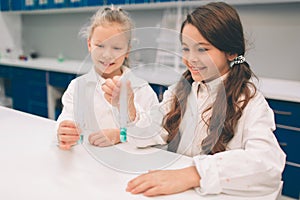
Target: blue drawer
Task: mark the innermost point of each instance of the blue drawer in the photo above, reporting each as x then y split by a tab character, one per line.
44	4
139	1
29	91
291	181
289	141
32	100
116	2
37	92
286	113
61	80
5	72
58	3
95	2
5	6
29	4
38	108
20	96
76	3
164	0
29	74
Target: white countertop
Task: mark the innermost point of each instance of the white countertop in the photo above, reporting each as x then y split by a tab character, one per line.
280	89
272	88
33	167
49	64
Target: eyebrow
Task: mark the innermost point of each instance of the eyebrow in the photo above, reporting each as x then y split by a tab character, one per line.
96	41
199	43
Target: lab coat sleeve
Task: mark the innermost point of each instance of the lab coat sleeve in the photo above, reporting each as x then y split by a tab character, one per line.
256	167
148	130
144	99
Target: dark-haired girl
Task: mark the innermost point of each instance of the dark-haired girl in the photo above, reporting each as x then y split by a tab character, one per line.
216	115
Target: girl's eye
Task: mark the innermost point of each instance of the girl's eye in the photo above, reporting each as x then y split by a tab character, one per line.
100	45
185	49
117	48
202	50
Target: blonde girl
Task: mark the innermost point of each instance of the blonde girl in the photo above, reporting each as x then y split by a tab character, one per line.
87	109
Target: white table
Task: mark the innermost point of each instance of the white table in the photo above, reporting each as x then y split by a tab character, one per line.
32	167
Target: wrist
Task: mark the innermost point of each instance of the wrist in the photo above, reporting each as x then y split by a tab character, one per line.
117	137
194	177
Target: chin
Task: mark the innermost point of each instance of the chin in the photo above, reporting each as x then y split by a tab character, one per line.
197	77
100	69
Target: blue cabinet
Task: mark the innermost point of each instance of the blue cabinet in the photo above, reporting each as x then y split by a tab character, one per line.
76	3
5	74
159	90
43	4
58	3
287	115
4	5
60	81
5	71
286	112
25	5
95	2
28	88
291	177
29	91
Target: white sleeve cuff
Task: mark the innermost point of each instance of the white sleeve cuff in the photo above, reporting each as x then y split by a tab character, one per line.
208	171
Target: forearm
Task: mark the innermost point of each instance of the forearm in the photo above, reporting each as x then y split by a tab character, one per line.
131	109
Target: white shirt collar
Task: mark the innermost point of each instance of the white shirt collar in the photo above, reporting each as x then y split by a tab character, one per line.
210	87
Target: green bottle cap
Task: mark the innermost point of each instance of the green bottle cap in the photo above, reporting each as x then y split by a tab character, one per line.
80	141
123	134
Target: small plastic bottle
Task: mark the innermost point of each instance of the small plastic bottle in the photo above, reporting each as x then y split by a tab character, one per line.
60	58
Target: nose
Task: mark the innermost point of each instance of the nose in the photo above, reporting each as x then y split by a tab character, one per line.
107	54
192	57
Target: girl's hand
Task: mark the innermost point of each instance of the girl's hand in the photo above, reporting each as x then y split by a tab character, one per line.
111	89
68	134
105	137
162	182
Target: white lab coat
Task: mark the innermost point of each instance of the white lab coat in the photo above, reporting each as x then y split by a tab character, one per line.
84	102
253	161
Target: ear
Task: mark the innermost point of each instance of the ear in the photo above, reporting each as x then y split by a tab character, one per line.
89	45
231	56
127	53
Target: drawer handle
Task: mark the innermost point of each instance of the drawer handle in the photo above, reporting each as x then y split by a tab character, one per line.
288	127
279	112
292	164
283	144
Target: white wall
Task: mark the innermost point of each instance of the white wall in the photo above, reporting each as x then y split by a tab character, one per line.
272	32
10	37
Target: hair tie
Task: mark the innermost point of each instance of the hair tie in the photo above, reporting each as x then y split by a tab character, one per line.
238	60
113	8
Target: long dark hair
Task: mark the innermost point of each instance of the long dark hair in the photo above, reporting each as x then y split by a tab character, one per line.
219	24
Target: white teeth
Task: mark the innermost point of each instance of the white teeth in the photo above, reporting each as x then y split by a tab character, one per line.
105	64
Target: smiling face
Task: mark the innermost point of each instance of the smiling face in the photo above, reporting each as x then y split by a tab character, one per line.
109	47
203	60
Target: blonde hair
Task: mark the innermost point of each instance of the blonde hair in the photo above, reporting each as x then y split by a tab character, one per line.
107	17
